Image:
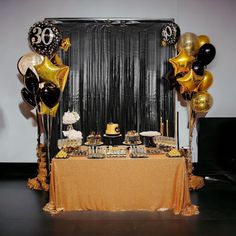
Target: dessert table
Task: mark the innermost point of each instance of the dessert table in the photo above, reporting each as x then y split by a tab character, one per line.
120	184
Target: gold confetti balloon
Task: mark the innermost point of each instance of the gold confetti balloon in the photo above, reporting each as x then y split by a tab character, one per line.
201	102
189	43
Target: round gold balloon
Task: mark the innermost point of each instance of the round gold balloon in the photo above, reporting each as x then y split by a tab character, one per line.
206	82
181	62
201	102
189	43
203	39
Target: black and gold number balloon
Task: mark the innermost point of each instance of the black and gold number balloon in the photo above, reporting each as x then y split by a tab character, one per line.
44	38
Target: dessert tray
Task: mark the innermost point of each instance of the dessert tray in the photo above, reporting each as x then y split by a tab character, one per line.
150	133
174	153
62	155
65	143
138	152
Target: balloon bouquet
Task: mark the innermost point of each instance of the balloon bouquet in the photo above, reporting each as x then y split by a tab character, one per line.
189	75
45	77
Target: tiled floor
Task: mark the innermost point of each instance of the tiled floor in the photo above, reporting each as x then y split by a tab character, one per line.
21	214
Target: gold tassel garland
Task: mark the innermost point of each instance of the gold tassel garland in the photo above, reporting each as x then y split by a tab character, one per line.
40	181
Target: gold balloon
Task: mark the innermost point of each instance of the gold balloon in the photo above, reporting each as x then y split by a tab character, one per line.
203	39
48	71
190	82
181	62
55	74
63	73
65	44
63	76
201	102
206	82
56	60
44	110
189	43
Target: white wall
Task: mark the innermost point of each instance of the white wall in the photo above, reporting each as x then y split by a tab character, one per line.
214	18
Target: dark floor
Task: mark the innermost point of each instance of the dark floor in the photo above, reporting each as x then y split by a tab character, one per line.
21	214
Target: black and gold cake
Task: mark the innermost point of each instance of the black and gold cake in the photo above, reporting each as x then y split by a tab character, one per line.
112	129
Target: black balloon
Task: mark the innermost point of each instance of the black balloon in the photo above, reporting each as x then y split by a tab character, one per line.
50	94
44	38
31	81
206	53
198	67
29	98
170	33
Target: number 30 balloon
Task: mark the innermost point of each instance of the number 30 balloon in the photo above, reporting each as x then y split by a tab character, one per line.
44	38
170	34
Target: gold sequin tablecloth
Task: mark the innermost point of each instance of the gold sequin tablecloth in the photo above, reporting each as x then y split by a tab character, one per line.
121	184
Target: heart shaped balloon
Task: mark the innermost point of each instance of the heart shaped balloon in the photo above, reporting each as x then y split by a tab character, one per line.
50	94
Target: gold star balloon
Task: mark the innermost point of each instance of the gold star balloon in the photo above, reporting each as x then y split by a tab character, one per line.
182	62
47	71
62	78
65	44
56	60
57	74
63	73
190	82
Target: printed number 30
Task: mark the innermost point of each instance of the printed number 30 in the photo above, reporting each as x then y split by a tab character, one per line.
42	35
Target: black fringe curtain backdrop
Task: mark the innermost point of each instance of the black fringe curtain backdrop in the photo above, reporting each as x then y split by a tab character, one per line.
117	74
